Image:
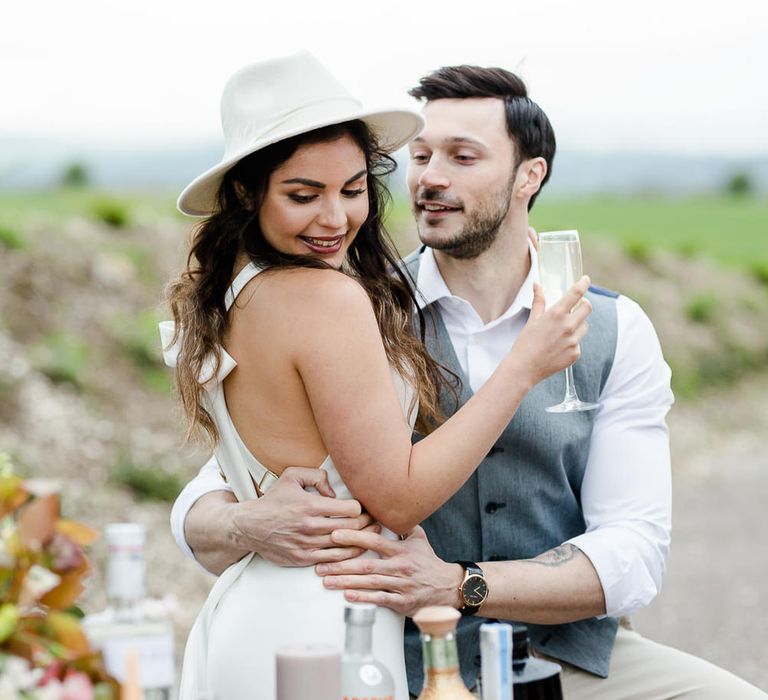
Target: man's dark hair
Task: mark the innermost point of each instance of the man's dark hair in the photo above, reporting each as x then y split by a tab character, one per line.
527	125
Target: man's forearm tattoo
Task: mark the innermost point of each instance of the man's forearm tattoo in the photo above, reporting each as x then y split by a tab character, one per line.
557	556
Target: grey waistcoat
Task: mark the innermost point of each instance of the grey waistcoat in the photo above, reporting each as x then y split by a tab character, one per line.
525	497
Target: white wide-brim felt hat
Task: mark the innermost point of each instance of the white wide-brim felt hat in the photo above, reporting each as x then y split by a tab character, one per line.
266	102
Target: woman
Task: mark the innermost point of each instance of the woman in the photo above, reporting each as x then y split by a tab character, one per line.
297	349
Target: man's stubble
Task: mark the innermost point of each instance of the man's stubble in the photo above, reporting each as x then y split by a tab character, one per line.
480	230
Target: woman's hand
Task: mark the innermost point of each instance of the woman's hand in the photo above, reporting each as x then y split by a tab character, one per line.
550	340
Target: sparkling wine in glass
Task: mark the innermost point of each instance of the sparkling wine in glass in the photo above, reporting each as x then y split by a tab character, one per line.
559	270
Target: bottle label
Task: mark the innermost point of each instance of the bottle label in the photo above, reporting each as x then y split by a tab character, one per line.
440	652
153	653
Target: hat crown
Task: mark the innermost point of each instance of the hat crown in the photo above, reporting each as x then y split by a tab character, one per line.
267	102
264	97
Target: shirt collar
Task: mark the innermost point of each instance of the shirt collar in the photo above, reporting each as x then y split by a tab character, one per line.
431	286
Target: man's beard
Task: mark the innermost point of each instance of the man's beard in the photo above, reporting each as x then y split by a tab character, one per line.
481	229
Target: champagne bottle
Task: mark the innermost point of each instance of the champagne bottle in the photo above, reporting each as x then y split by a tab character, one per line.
362	676
533	678
134	636
437	625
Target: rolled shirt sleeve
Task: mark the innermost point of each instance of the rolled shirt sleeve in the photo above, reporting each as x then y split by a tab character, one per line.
208	479
626	493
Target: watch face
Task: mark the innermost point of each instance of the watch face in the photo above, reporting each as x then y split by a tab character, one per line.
474	590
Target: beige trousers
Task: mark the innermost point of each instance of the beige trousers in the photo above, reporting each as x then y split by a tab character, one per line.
644	670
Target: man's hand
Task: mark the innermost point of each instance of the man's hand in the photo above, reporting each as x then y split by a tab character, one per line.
408	576
292	527
288	525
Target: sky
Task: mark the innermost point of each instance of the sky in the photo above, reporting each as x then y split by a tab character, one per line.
670	76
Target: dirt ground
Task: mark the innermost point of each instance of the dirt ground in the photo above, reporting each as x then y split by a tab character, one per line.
714	602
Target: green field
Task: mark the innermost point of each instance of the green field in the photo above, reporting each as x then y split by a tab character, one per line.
18	209
732	230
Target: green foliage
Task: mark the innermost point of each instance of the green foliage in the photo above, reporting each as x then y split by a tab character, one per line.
638	251
760	272
739	185
701	308
63	358
11	239
715	369
75	175
111	211
148	483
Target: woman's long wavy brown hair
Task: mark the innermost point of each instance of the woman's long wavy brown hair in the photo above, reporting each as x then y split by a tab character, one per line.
196	297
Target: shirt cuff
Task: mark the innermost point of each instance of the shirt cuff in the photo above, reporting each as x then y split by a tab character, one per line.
207	481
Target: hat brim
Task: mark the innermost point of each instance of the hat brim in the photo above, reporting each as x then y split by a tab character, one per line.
393	129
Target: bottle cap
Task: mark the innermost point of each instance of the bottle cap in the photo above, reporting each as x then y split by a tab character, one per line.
125	535
519	634
437	620
359	613
496	633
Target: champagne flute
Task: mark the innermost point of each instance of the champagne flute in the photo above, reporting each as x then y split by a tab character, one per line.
559	270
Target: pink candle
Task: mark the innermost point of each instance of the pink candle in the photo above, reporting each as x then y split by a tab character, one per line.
308	671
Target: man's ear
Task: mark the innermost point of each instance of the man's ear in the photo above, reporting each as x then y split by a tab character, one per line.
243	195
530	175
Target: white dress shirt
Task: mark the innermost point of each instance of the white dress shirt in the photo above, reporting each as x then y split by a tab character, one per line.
626	491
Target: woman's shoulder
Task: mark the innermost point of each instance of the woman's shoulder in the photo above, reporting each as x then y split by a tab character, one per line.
303	291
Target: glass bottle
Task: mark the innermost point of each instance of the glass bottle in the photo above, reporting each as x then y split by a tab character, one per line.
496	661
362	676
134	636
533	678
437	625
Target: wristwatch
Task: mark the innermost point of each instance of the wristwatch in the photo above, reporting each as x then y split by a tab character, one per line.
473	589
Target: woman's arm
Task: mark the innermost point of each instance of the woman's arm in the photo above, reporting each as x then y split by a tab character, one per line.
338	352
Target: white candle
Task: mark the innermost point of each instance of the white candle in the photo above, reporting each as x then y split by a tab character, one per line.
308	671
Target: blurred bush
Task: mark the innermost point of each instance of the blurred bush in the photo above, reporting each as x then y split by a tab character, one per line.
638	251
739	185
701	308
11	239
75	176
111	212
760	271
63	358
147	483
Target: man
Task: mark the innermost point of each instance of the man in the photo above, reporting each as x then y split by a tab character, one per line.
565	525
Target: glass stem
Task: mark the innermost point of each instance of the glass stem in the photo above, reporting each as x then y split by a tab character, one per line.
570	386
